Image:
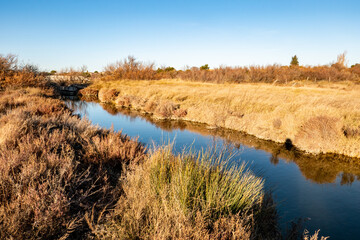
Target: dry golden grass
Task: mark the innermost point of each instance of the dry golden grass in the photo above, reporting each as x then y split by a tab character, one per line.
321	117
314	237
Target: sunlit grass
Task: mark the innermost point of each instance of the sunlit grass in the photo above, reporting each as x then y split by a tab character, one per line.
189	195
263	110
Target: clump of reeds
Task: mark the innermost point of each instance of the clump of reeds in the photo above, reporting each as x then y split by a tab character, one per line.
190	196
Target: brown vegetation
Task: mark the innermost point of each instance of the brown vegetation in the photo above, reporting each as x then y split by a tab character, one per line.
61	177
320	168
190	197
132	69
129	68
55	168
318	118
12	75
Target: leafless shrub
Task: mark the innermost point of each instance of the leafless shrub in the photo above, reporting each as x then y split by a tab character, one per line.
130	68
13	75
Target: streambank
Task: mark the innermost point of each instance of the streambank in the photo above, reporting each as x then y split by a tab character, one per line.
310	120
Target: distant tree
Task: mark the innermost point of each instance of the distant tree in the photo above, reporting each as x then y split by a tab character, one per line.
294	61
341	59
52	72
341	62
169	69
83	69
86	74
205	67
30	68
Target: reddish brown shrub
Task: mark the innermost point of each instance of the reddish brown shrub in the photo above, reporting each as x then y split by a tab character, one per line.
13	75
56	168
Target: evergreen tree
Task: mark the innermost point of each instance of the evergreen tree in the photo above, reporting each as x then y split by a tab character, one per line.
294	61
205	67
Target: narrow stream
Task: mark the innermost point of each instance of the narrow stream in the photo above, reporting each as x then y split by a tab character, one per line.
325	192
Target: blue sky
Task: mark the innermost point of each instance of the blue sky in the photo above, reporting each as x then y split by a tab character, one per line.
58	34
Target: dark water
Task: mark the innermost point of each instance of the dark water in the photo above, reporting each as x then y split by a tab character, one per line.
325	191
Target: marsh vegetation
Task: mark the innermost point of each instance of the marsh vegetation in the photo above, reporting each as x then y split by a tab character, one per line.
62	177
317	119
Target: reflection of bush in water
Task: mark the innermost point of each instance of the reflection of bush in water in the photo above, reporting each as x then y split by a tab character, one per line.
110	108
348	178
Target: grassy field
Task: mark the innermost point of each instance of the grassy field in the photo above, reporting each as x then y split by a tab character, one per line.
322	117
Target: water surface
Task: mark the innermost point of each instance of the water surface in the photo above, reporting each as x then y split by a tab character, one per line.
325	191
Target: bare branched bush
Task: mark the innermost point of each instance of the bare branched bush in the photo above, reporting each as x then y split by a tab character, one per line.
130	68
13	75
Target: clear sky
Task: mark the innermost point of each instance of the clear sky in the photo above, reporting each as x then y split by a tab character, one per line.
57	34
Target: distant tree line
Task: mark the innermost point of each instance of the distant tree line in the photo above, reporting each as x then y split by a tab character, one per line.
130	68
12	73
